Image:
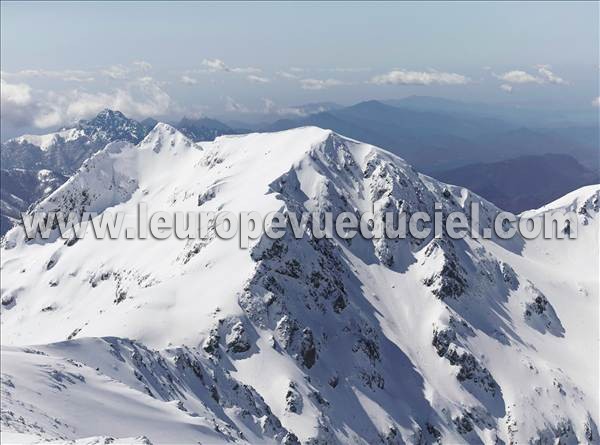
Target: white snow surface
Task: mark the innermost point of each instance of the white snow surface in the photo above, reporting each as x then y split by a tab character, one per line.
45	141
317	341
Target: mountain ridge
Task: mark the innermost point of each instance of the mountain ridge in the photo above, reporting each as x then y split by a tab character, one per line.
366	341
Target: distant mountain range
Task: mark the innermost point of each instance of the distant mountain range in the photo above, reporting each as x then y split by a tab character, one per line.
522	183
460	142
515	114
433	141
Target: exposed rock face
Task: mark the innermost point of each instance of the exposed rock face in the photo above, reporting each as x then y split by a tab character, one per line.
293	399
237	339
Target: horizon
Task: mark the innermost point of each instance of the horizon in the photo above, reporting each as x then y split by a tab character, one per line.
257	122
51	79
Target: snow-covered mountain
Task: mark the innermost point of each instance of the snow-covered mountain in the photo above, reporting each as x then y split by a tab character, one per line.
64	150
59	154
317	341
22	187
35	165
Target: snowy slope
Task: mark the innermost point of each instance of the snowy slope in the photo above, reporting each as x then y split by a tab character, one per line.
45	141
362	341
35	165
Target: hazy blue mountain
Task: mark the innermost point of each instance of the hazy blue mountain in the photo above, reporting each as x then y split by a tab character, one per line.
20	188
440	140
205	129
522	183
514	113
149	123
430	141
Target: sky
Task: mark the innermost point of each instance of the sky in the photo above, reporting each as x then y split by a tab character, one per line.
66	61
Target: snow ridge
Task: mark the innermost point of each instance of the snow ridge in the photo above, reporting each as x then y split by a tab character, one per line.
364	341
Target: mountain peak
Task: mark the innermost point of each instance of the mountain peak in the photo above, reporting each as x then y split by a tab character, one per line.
110	125
165	136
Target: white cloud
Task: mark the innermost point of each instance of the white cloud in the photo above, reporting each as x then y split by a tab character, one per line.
187	80
258	79
16	103
116	72
270	107
549	76
341	69
320	84
544	76
140	98
287	75
518	76
404	77
66	75
506	87
18	94
219	65
215	64
233	106
596	102
23	106
142	65
246	70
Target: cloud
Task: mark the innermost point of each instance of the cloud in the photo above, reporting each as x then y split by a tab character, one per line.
258	79
518	76
15	94
187	80
404	77
140	98
334	69
506	87
341	69
66	75
24	106
270	107
549	76
219	65
215	64
233	106
142	65
544	76
16	103
287	75
320	84
596	102
116	72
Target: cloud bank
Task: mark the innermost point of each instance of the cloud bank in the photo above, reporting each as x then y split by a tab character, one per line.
404	77
543	76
